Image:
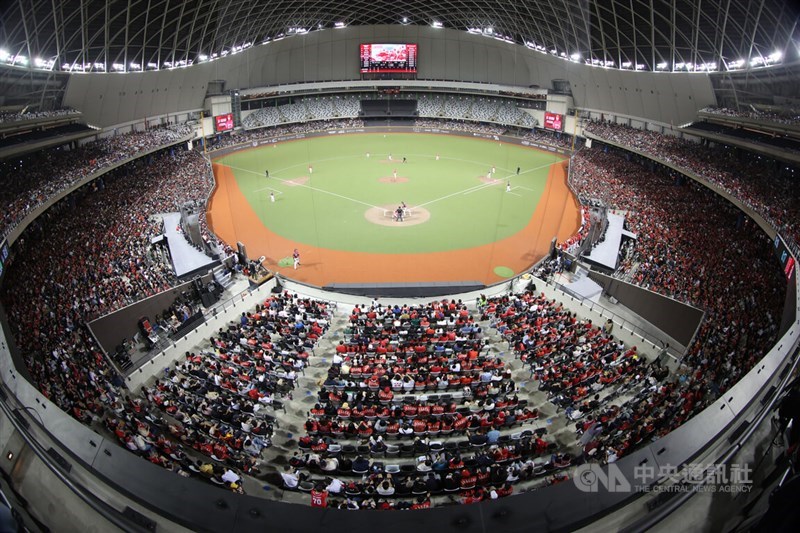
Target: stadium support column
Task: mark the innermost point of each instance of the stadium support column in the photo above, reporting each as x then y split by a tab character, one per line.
574	129
236	108
203	128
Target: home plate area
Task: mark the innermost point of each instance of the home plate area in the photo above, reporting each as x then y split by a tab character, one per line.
389	215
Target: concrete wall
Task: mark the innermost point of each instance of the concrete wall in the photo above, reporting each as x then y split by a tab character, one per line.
444	54
111	329
676	319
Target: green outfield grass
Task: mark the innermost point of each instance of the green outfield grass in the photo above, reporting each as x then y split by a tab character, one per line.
329	209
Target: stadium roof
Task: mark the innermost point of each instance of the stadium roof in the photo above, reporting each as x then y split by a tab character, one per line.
78	35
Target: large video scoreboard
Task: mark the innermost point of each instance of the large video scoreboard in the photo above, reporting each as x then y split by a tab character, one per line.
376	58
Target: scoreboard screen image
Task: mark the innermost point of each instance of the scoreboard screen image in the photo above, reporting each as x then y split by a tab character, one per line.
223	122
388	58
553	121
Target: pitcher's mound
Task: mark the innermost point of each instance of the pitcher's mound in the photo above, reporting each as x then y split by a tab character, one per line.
385	215
399	179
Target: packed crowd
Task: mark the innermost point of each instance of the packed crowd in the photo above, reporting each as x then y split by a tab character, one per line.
554	138
689	241
573	243
579	364
218	403
459	125
789	118
255	135
211	403
6	117
412	381
28	183
103	261
776	198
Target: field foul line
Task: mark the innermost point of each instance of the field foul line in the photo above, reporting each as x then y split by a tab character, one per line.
482	186
475	188
464	191
333	194
309	187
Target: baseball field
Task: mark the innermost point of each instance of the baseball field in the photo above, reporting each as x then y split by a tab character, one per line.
397	207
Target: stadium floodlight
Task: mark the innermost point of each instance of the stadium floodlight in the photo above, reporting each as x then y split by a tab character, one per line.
4	55
640	66
405	20
118	66
339	25
739	63
662	66
679	65
576	56
202	57
774	57
135	66
627	64
437	24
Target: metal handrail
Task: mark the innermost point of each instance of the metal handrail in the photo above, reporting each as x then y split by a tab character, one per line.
606	312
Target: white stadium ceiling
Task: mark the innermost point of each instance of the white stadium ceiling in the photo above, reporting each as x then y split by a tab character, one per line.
122	35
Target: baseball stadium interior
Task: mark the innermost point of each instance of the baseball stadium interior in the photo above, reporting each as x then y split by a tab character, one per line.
292	265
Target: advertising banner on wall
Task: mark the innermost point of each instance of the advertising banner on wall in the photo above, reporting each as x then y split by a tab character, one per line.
223	122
